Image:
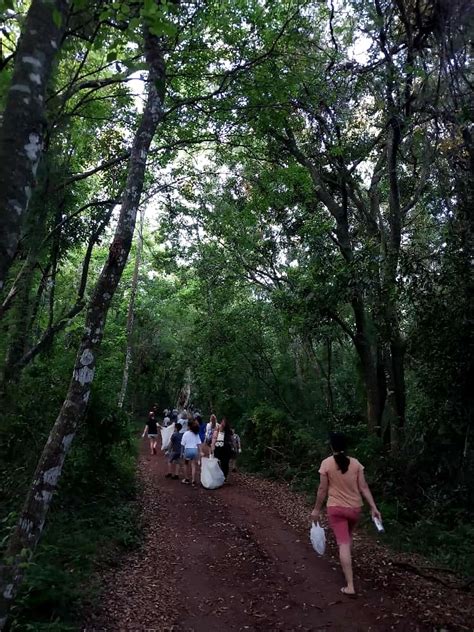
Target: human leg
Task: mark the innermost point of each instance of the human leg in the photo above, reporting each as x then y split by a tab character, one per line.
219	453
345	557
190	456
225	459
340	519
193	472
187	470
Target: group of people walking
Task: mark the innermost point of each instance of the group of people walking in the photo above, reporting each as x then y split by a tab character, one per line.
191	440
342	480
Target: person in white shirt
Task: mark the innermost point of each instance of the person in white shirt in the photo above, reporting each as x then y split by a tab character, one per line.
210	428
192	447
183	420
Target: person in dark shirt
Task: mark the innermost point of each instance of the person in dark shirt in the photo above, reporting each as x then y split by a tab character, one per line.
174	453
151	429
202	427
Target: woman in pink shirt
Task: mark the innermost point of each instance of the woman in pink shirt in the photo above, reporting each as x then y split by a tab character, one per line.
343	482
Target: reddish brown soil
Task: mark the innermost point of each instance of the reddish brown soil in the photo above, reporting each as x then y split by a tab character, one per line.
236	558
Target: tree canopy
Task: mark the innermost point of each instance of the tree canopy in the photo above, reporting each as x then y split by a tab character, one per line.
305	170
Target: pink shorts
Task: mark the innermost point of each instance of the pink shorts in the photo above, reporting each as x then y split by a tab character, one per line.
342	521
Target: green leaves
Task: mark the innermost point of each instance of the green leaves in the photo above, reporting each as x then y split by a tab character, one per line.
158	16
57	18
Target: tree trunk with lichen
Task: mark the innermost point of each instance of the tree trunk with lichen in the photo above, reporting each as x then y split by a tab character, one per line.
131	313
48	472
23	125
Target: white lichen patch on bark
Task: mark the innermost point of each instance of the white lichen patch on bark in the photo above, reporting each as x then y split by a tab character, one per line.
84	375
26	525
51	476
8	593
16	206
33	147
87	357
21	87
35	78
53	44
67	440
27	59
44	496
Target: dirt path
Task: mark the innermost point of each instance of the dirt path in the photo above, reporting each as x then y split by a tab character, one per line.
226	560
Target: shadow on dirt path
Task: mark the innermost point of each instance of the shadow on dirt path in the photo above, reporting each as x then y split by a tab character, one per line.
223	560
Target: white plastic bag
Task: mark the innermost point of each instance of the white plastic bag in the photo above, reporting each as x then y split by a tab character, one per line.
212	476
318	538
166	436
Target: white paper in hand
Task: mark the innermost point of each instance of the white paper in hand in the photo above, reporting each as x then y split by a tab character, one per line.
318	538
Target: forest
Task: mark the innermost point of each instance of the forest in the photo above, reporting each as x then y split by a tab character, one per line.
264	207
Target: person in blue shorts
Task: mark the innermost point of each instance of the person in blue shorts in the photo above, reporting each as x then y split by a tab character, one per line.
192	448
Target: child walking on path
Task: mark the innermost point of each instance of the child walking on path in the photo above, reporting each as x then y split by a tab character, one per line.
191	445
343	482
174	453
151	428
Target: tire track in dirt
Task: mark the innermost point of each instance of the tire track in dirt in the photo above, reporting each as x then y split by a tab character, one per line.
224	560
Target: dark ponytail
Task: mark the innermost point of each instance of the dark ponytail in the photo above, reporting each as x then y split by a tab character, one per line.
338	444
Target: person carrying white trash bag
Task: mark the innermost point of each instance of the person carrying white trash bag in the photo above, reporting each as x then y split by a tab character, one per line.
166	434
343	482
212	476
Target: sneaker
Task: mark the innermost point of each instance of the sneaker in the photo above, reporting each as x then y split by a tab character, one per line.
186	481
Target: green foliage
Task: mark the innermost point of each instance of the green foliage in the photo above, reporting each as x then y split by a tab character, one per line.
94	518
275	246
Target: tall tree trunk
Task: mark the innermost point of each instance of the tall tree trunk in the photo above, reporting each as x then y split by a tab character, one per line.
330	397
20	317
45	481
19	335
131	312
395	352
185	392
365	340
23	126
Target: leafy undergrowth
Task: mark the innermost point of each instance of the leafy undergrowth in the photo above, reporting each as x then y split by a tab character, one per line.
95	517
